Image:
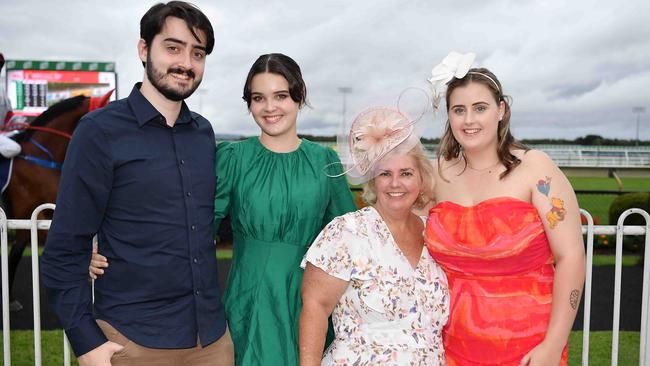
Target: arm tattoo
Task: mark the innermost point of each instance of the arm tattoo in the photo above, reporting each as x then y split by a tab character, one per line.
544	186
574	298
557	211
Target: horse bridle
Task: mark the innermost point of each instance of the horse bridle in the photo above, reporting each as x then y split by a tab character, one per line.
45	163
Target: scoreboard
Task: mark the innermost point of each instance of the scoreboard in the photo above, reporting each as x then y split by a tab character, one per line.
33	85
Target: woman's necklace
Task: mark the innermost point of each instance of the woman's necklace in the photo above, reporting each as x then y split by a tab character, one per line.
489	168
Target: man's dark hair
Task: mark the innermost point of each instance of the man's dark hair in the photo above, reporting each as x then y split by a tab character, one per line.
2	61
283	65
154	19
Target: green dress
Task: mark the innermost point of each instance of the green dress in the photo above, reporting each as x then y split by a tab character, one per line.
278	203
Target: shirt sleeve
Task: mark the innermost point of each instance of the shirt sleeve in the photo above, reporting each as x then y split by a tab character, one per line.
336	250
224	169
85	185
341	200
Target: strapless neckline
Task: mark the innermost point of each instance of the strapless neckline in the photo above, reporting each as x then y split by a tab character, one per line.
487	201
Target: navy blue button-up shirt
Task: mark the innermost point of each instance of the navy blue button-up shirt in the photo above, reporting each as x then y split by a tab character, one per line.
147	191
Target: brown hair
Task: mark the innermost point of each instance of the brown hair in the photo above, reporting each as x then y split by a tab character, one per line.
423	165
449	148
279	64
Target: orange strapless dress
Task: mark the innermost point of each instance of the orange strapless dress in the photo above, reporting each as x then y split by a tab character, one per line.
500	271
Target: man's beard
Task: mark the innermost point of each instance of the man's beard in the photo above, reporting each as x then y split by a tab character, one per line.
156	78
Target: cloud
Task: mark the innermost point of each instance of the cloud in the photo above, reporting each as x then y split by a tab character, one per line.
572	68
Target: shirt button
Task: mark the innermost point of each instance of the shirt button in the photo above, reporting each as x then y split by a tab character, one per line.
197	292
182	161
193	227
195	260
189	194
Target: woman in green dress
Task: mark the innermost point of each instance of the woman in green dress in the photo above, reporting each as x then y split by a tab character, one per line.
278	195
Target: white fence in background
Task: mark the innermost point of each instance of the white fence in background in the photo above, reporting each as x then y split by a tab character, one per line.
574	156
590	229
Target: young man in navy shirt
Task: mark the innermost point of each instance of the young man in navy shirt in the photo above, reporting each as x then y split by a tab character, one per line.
139	173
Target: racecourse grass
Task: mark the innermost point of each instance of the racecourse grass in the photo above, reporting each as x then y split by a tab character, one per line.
22	348
600	348
598	204
609	184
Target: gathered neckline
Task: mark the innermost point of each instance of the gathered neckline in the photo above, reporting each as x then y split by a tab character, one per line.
258	142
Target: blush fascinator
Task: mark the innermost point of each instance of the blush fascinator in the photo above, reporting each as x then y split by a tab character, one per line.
374	134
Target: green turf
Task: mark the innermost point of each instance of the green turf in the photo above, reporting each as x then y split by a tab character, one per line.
598	204
22	348
610	260
591	183
600	348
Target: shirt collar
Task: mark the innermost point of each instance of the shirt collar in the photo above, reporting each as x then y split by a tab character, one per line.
145	112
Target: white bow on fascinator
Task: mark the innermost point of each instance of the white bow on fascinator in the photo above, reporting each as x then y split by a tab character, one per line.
455	65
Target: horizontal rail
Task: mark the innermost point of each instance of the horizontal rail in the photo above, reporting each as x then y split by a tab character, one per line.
612	230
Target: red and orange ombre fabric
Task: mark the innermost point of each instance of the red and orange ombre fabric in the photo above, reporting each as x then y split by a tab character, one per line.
500	271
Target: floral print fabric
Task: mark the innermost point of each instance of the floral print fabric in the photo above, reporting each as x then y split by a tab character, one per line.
391	313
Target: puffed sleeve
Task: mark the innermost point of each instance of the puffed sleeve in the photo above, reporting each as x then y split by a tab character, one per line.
225	170
340	197
339	250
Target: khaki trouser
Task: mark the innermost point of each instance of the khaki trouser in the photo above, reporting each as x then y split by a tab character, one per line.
218	353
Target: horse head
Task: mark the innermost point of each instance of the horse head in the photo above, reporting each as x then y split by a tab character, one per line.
99	102
36	171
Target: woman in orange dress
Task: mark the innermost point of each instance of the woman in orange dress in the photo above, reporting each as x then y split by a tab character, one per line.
505	228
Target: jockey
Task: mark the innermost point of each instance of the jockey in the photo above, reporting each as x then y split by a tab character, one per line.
8	147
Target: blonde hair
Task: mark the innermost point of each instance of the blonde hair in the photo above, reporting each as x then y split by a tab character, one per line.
425	169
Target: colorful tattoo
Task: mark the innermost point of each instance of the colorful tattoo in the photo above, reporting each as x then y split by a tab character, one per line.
574	298
544	186
557	211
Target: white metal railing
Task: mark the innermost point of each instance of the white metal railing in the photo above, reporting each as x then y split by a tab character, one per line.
33	225
620	230
578	156
590	229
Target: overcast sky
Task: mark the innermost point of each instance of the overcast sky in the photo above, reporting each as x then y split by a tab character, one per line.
572	67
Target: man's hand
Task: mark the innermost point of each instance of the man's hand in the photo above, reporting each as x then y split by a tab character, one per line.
100	356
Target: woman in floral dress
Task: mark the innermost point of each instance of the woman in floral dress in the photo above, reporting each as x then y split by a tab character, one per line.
370	269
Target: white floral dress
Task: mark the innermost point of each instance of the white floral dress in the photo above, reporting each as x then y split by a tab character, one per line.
390	314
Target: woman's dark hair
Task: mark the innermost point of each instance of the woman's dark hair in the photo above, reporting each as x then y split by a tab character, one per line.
154	19
449	148
277	63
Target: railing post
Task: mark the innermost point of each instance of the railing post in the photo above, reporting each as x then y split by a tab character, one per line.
643	342
6	327
36	297
587	292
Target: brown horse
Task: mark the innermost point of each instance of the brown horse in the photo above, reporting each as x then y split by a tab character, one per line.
36	171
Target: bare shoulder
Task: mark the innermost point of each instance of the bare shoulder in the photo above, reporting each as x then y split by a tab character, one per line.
534	159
